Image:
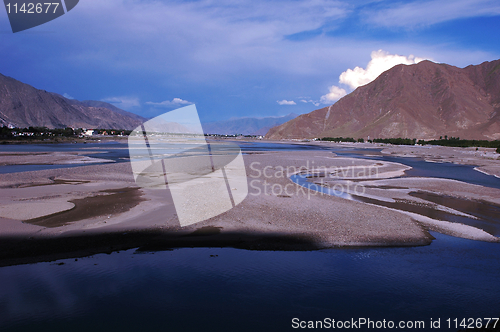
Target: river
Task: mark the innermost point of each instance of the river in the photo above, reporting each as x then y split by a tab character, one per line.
225	289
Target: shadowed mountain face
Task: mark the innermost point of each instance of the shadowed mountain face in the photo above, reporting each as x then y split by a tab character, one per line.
246	126
22	105
422	101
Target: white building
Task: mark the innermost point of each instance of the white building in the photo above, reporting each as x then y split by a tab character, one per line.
90	132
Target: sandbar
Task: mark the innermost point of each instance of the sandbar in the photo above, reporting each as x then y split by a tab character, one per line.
99	208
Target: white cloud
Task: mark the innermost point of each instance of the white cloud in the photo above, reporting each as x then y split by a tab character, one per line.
335	94
425	13
314	102
123	102
65	95
229	36
286	102
168	103
154	46
380	62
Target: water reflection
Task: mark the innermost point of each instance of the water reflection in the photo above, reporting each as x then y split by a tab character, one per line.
212	289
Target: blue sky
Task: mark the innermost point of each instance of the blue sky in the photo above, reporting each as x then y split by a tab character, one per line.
236	58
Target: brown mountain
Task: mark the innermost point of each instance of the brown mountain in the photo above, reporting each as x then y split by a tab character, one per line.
424	100
22	105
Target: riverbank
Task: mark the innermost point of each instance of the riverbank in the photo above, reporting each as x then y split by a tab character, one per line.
487	160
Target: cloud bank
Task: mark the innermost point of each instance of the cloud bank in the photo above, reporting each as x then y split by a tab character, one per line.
380	62
424	13
202	49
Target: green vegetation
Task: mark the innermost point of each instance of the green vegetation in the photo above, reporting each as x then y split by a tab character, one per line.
5	133
338	139
452	141
44	133
396	141
462	143
113	132
232	135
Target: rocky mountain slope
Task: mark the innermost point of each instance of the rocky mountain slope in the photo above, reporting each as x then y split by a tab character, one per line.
22	105
423	101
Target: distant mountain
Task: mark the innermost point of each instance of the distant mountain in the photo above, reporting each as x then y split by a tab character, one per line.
111	107
424	101
246	126
161	125
22	105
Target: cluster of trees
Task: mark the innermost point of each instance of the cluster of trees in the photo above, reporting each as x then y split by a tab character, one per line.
35	132
396	141
462	143
231	135
451	141
5	132
338	139
113	132
44	132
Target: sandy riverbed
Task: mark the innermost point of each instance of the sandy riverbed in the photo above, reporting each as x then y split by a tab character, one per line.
98	208
486	159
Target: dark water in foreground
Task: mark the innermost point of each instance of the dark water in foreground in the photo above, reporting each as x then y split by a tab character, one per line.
240	290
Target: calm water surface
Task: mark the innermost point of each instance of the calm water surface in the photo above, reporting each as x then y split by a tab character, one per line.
224	289
215	289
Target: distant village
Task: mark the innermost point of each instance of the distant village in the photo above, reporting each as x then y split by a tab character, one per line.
12	132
